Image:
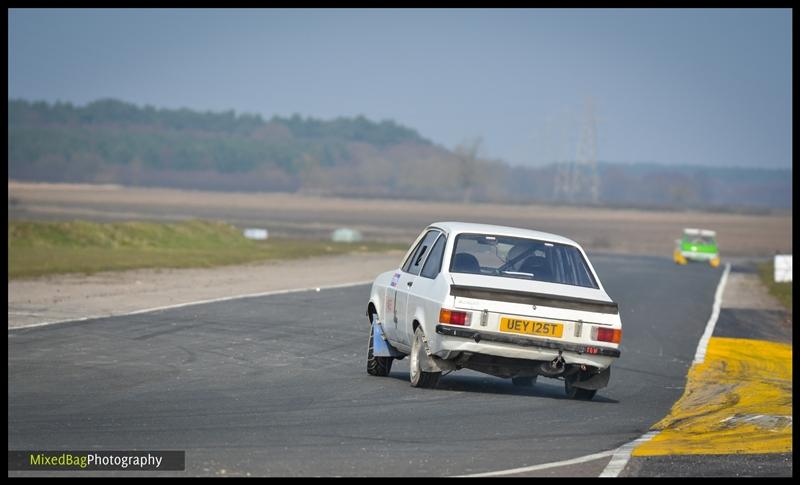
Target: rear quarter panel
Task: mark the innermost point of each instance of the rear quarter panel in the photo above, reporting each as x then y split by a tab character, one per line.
430	296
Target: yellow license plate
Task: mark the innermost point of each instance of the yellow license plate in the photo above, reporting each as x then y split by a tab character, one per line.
531	327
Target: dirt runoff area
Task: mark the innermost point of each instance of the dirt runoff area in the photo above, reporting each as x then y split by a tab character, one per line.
597	229
71	297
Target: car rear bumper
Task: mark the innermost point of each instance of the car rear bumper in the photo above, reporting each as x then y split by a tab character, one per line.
695	256
451	339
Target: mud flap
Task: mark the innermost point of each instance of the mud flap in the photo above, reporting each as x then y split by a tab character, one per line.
380	347
431	363
584	380
436	364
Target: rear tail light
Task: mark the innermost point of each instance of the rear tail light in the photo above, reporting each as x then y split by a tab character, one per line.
613	335
454	317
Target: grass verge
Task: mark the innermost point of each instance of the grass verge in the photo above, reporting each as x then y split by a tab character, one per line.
781	291
42	248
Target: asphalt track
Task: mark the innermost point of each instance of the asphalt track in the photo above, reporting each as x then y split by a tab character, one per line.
276	385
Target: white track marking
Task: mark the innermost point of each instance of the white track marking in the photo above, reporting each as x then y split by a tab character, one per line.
199	302
700	356
621	456
544	466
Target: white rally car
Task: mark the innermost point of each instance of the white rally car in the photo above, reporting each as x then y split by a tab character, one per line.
508	302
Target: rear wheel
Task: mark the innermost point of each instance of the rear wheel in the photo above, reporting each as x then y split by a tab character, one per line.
577	393
523	381
420	378
377	366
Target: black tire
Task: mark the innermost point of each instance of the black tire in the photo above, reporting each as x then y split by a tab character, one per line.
420	378
524	381
577	393
377	366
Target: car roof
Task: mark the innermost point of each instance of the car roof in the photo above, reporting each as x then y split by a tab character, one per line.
452	227
690	231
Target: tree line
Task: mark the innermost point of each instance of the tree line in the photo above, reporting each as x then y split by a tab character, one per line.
111	141
118	133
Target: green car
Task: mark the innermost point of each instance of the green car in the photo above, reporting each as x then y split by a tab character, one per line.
697	245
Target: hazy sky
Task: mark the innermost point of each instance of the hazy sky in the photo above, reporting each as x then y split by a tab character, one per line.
699	87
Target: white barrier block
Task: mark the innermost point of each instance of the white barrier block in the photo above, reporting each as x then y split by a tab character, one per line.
345	234
257	234
783	268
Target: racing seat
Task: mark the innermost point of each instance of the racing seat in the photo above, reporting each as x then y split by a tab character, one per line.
515	252
466	263
539	267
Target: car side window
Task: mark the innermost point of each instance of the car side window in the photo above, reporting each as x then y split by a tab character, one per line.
410	259
414	264
413	256
434	262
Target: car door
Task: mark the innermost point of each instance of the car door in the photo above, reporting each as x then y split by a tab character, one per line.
390	316
408	276
423	297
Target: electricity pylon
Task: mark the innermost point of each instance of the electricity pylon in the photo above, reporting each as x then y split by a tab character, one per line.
577	181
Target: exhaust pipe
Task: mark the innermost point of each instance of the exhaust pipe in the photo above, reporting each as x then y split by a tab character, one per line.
553	368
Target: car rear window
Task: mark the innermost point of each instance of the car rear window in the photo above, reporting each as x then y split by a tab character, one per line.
512	257
704	240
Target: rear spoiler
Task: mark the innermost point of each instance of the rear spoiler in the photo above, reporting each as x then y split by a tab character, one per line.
529	298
